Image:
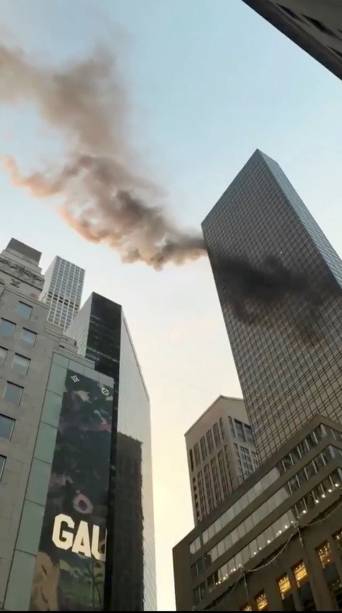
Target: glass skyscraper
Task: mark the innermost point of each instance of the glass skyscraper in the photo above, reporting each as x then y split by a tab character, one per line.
279	283
102	336
62	291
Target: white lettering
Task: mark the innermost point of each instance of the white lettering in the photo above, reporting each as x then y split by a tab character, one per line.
62	538
82	540
95	549
79	543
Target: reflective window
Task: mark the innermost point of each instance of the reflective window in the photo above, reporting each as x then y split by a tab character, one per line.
199	593
284	586
13	393
21	575
261	602
45	445
7	328
28	337
195	545
6	426
265	538
300	573
3	355
24	310
30	527
338	540
325	555
2	464
20	364
39	481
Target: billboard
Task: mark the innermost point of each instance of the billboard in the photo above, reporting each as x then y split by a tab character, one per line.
70	564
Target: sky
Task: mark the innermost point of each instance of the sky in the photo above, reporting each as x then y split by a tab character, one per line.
208	82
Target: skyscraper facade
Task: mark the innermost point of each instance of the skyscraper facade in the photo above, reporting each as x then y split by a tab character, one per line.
102	335
76	503
54	452
279	283
316	26
62	291
275	544
221	454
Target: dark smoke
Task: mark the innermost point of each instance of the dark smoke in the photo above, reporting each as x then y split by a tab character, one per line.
103	196
256	292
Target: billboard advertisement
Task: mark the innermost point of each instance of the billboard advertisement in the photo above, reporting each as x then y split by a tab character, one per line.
70	564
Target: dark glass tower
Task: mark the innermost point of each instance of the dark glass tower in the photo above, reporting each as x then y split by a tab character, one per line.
279	283
102	336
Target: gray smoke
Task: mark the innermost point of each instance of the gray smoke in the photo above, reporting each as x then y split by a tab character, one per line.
103	196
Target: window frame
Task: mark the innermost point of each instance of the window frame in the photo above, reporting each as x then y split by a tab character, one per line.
10	419
21	387
28	306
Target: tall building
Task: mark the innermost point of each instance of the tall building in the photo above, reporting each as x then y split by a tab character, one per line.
314	25
102	335
54	452
76	504
220	452
62	291
279	283
276	543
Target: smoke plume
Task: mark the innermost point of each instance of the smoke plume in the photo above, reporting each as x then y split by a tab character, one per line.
102	196
270	291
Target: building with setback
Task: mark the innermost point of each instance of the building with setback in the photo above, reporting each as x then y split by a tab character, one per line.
279	283
62	291
221	454
276	543
314	25
102	336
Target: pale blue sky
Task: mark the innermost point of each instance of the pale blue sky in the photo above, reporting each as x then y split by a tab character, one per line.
209	81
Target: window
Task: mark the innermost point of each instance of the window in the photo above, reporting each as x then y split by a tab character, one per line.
20	364
261	602
13	393
300	573
246	607
216	435
203	448
195	545
6	426
325	554
7	328
3	355
199	593
28	337
338	541
221	428
239	430
231	427
24	310
210	441
248	433
2	464
191	460
284	586
197	568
